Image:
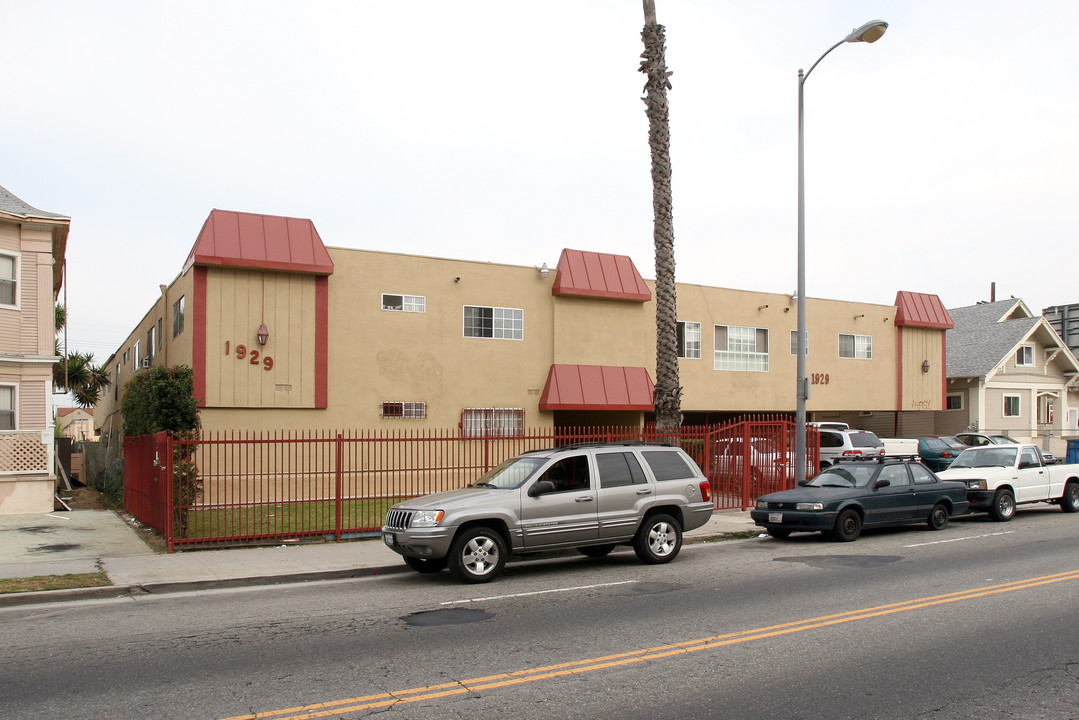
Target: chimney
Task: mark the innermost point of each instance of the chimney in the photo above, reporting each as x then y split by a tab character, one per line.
992	292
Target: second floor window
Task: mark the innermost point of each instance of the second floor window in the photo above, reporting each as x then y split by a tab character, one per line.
741	348
494	322
689	339
1025	355
794	342
178	317
404	303
859	347
8	283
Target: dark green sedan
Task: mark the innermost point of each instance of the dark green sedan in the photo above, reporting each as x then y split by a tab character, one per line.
854	494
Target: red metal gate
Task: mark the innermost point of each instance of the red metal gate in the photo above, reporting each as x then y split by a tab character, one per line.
751	458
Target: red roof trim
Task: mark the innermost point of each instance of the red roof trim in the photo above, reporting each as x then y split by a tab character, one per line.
921	310
261	242
597	387
593	274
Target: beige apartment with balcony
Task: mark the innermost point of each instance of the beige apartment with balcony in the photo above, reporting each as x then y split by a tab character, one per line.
32	246
285	333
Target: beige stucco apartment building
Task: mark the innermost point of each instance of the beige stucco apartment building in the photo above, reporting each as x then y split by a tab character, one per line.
32	245
285	333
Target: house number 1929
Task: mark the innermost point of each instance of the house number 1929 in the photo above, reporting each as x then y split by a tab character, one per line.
820	378
253	357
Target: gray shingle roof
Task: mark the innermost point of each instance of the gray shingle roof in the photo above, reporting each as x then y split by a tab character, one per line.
11	205
980	340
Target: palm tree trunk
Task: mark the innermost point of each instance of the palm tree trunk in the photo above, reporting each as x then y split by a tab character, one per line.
668	394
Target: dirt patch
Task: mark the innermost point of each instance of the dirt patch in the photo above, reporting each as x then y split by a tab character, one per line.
82	498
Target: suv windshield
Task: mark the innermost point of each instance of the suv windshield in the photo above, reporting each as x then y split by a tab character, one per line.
987	456
512	473
845	476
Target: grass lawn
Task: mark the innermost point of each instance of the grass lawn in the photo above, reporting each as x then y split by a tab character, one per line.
53	582
293	518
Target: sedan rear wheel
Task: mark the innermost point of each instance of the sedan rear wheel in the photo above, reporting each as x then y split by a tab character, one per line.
938	518
848	526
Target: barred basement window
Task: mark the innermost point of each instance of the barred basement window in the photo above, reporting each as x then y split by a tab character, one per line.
492	422
404	409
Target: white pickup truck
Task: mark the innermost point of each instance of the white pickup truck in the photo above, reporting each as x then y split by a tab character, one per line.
999	477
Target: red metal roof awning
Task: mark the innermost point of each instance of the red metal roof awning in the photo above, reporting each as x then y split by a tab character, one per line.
264	242
602	275
597	387
921	310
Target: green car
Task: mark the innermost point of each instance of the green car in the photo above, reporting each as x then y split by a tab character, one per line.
854	494
938	452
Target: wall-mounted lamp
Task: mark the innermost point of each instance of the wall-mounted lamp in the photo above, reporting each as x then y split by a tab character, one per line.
263	334
543	271
859	316
761	307
457	279
925	366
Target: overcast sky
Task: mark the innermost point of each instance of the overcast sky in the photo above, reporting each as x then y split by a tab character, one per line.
940	159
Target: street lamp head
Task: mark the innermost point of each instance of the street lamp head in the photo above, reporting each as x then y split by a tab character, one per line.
869	33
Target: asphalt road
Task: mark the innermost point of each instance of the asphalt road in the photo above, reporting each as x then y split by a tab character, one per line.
976	621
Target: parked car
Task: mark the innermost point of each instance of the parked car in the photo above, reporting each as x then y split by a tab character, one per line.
974	439
838	444
829	425
938	451
589	497
853	494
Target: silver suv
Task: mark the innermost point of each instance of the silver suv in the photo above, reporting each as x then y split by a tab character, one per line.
838	445
588	497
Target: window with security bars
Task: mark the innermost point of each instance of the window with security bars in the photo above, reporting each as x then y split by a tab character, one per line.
689	340
8	282
858	347
404	409
494	322
741	348
492	422
404	303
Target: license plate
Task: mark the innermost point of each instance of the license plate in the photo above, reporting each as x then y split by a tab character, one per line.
389	538
775	517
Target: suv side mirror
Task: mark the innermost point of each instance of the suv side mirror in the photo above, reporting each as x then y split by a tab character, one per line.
541	487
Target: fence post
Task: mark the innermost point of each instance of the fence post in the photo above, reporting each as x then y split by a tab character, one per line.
338	485
170	491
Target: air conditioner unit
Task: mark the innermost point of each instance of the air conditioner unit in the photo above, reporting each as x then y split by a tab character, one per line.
146	362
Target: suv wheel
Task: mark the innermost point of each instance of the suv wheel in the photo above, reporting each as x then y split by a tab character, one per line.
658	539
477	555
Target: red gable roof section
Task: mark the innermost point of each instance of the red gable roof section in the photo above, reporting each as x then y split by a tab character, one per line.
597	387
599	275
921	310
266	242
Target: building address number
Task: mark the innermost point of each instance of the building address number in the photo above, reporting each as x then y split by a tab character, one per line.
253	357
820	378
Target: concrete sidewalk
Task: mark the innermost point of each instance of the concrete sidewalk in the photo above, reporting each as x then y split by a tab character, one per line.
83	541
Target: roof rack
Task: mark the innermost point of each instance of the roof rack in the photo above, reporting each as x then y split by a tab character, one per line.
585	445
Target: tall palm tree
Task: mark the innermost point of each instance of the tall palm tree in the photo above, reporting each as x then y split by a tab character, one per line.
668	394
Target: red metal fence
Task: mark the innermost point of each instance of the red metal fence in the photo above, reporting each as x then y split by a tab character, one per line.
243	486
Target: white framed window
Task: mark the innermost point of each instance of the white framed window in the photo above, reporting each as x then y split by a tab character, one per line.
689	340
1024	356
858	347
138	354
404	410
178	316
404	303
741	348
794	342
954	402
9	280
151	334
8	403
1012	406
494	322
492	422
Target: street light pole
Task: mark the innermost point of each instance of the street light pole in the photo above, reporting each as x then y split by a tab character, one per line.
868	33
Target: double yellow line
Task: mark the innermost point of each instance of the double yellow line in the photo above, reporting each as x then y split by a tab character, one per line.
489	682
